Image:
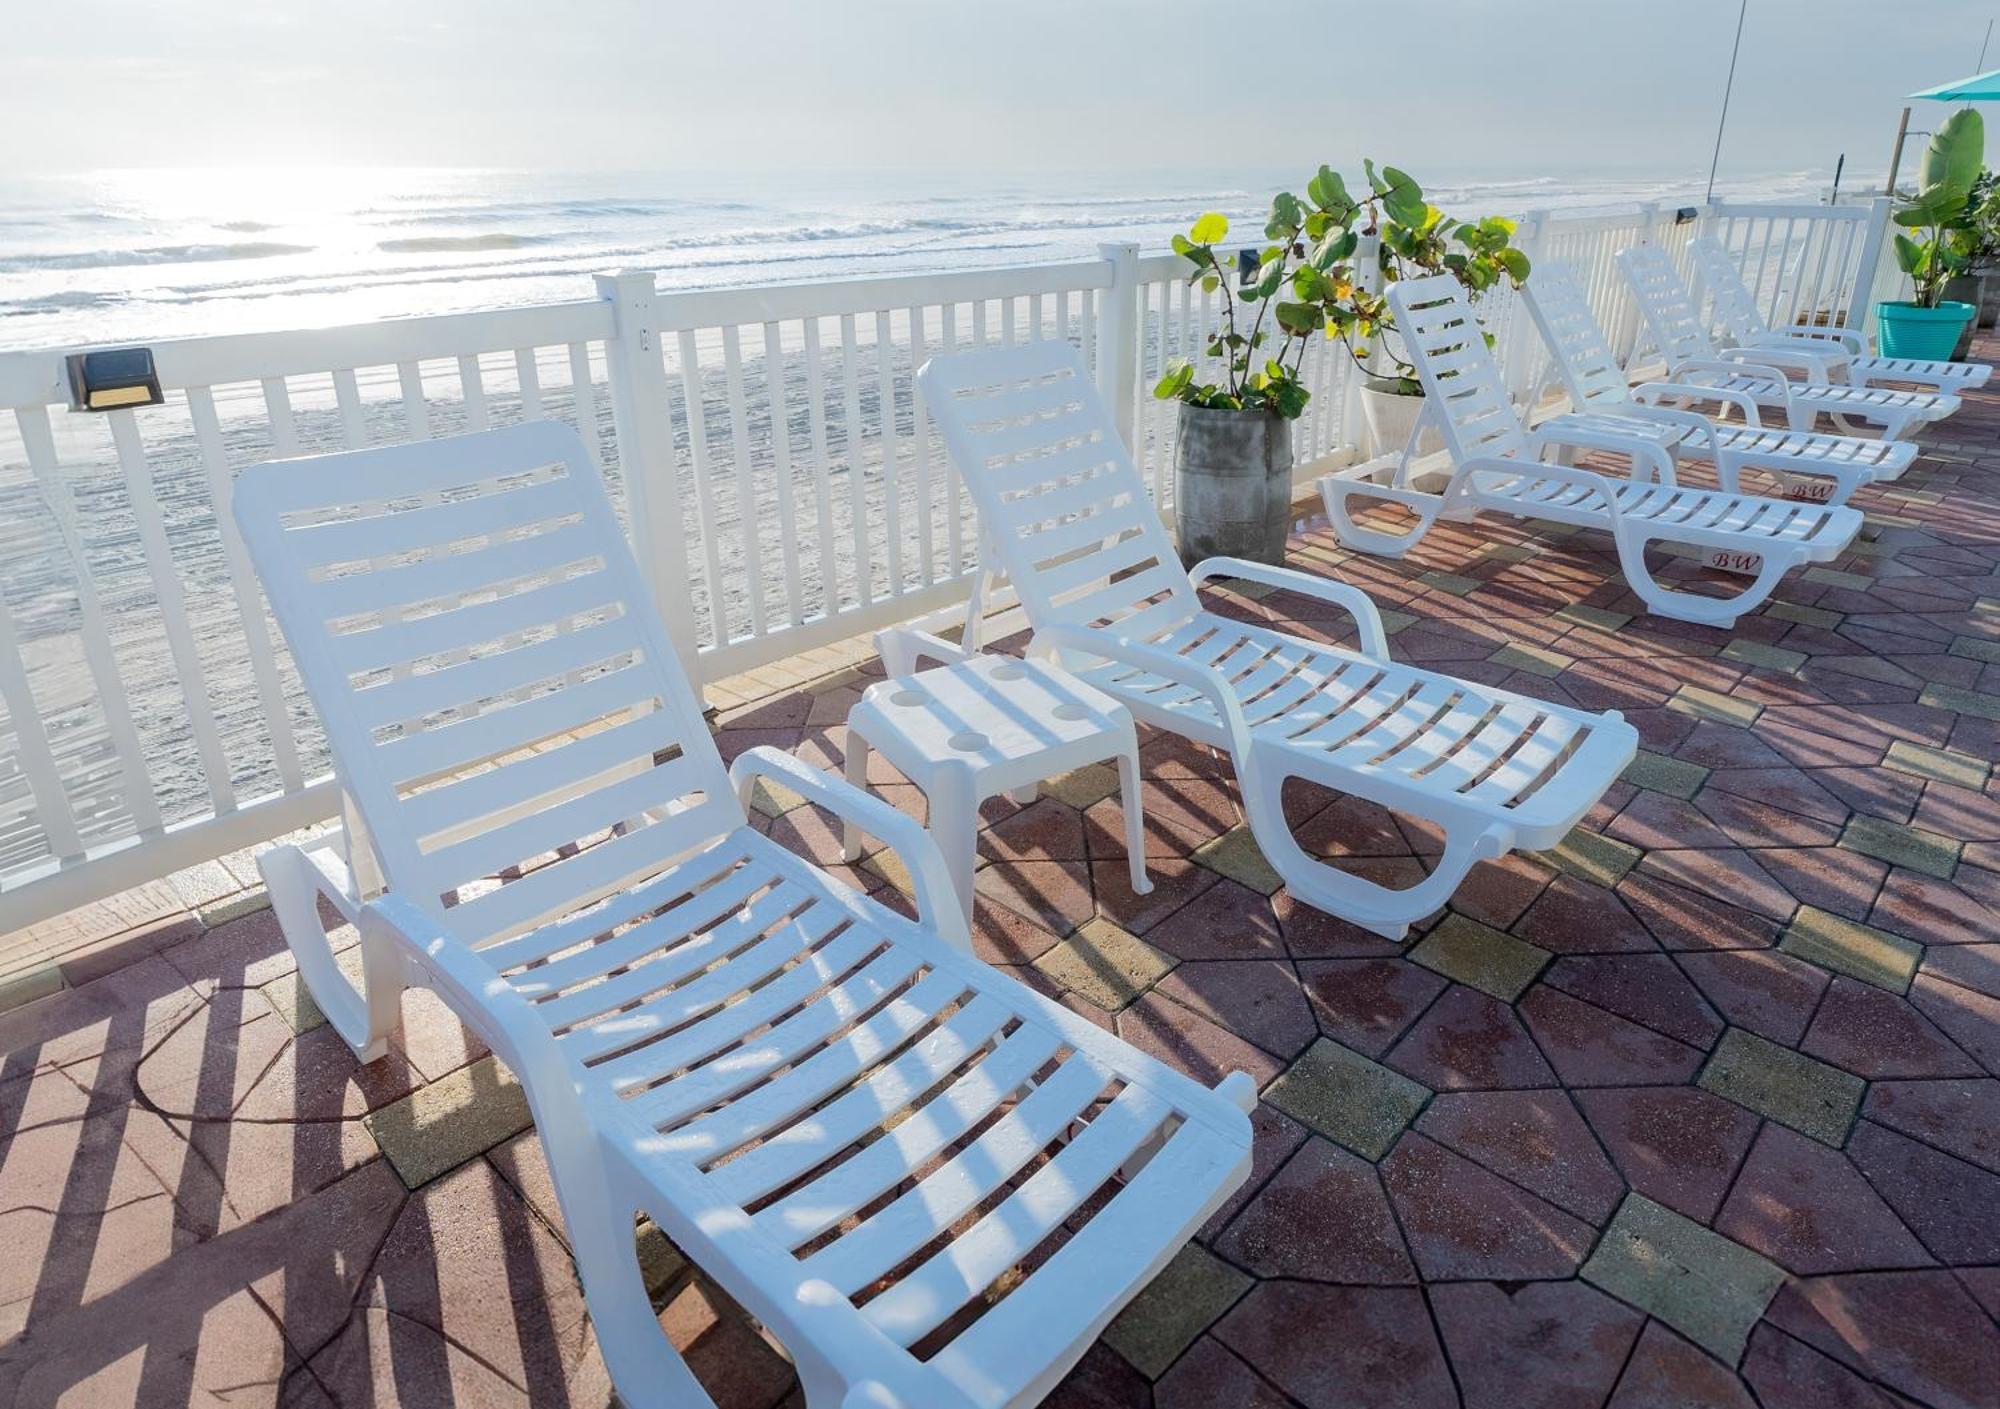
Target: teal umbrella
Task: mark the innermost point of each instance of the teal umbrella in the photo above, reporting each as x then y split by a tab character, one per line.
1981	87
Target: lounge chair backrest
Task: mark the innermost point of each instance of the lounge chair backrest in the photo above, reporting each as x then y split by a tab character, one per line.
1664	303
494	680
1061	504
1589	369
1442	337
1730	302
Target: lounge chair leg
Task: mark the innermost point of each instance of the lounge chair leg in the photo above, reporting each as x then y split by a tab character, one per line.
1377	908
1688	606
1335	491
364	1019
649	1372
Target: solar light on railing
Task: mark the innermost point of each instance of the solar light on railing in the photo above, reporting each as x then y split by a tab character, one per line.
1686	215
113	378
1248	262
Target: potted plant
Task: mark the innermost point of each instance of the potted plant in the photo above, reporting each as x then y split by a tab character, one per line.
1979	283
1233	458
1927	325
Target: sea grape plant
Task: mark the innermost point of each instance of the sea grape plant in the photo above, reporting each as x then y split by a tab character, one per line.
1306	283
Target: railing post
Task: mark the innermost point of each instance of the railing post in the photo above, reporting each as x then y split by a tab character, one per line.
646	454
1118	339
1874	246
1522	356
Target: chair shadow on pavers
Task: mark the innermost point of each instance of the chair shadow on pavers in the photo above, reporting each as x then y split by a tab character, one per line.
195	1206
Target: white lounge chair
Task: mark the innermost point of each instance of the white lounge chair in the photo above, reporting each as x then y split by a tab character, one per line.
842	1117
1760	373
1844	351
1064	513
1589	372
1496	466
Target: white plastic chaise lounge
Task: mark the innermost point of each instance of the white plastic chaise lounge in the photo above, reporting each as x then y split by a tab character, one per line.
1596	386
1843	352
1065	515
845	1120
1497	466
1760	373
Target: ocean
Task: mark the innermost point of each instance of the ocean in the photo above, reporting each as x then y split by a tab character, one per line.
113	256
117	257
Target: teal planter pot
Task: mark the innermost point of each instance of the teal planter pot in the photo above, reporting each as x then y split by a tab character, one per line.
1929	333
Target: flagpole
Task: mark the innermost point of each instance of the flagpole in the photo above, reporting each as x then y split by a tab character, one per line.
1727	88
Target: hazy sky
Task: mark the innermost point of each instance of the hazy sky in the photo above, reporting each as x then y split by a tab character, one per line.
1517	88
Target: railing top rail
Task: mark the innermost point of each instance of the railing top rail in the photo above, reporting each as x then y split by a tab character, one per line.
777	303
37	377
1741	210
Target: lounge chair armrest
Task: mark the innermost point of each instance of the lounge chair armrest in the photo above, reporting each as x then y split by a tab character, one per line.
1809	333
1568	474
937	903
534	1057
1816	365
1654	456
1094	641
1647	394
902	647
1358	604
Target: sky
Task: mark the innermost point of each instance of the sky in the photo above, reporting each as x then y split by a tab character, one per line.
1472	87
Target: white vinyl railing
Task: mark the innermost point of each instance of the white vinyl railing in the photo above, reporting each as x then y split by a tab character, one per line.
766	445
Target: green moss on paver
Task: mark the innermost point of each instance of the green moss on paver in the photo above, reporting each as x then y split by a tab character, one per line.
1394	621
1711	705
1806	616
1347	1098
1959	701
1187	1297
1083	787
1672	776
29	985
1105	965
1791	1088
1976	648
1591	857
1708	1288
1507	552
438	1127
1450	582
1831	578
1480	956
1535	660
1901	846
773	799
1764	657
1849	947
233	907
1944	765
1235	854
1597	618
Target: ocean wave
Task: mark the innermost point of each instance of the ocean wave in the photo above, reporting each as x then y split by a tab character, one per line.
458	244
245	227
152	254
51	303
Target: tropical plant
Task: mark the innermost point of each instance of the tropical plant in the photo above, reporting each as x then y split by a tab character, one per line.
1306	283
1943	210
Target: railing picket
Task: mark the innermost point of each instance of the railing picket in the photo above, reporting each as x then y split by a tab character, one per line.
31	743
920	457
781	460
694	400
745	467
242	583
173	610
829	566
891	442
102	660
954	493
857	471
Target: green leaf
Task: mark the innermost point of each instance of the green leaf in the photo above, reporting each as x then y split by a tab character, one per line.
1211	227
1953	157
1298	318
1180	372
1909	254
1515	263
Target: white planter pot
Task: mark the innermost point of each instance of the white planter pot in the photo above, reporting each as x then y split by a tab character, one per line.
1391	418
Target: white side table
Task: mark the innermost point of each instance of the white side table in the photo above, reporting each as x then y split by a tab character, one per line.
989	725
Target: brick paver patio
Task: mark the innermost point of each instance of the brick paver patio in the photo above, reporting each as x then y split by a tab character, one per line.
1701	1109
